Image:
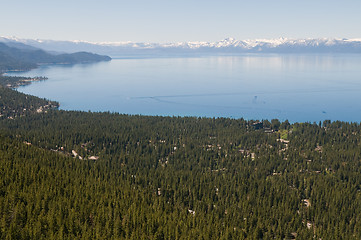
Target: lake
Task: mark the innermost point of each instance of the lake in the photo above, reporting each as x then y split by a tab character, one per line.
299	88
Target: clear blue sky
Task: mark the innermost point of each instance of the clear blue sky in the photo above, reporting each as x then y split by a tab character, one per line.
179	20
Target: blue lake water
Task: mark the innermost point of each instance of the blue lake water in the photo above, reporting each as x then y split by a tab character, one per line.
295	87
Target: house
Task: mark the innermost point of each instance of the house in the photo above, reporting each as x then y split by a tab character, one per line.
257	125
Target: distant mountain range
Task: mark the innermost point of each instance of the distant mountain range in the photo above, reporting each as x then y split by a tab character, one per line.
16	55
226	46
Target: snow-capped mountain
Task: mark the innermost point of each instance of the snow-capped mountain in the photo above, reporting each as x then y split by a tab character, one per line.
226	46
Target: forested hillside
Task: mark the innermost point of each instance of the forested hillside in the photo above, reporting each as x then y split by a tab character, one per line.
8	63
16	104
23	57
76	175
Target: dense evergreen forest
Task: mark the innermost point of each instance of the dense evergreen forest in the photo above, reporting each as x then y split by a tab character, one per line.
79	175
14	103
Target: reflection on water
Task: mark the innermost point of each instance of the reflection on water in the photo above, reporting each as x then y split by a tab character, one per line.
295	87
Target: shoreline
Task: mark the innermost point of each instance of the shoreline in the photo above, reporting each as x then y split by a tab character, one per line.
19	81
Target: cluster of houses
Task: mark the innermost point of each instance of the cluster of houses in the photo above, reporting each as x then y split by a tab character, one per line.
259	125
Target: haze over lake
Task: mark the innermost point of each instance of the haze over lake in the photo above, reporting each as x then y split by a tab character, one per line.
295	87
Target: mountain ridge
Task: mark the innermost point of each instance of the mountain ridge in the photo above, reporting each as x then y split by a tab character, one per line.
226	46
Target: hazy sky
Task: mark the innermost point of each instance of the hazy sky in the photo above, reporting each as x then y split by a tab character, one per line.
179	20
